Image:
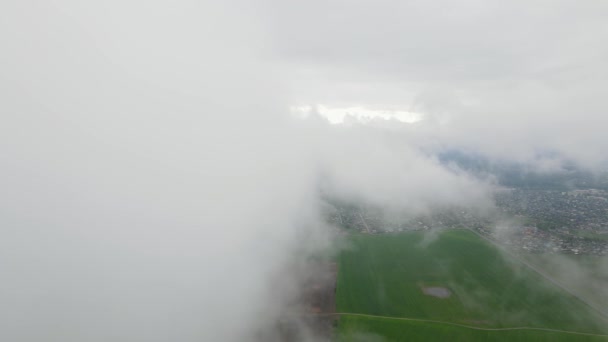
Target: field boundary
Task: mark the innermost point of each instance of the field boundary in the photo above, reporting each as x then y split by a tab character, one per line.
458	324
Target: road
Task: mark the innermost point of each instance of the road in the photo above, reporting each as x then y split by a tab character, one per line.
364	223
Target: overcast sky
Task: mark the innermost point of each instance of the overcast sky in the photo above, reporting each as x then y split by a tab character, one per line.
155	181
506	78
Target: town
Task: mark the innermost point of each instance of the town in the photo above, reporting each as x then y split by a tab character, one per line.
536	221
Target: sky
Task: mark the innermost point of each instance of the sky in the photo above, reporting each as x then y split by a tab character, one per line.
503	78
156	177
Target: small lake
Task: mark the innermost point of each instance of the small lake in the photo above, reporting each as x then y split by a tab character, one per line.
436	291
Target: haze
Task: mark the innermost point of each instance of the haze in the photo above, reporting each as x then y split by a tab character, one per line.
156	185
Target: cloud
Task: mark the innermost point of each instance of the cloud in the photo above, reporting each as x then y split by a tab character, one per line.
153	185
383	169
145	192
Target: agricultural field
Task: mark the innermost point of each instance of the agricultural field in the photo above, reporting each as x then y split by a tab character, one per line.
397	287
374	329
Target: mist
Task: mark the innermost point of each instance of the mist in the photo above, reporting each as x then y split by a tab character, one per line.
155	186
153	183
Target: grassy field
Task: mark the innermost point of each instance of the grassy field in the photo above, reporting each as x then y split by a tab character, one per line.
381	329
384	275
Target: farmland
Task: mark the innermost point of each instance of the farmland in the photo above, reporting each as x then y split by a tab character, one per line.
455	279
367	329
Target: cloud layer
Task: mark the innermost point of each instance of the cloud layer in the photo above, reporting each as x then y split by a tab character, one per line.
154	184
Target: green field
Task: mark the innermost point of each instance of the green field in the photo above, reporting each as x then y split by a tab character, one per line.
381	329
384	276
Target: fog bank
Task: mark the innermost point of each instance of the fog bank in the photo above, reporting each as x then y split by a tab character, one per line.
154	184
